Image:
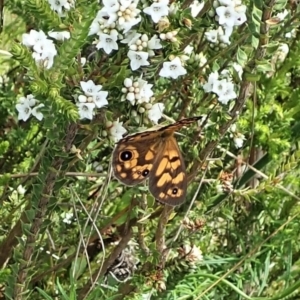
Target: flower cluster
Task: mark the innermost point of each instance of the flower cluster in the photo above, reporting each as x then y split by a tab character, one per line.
228	13
137	92
61	6
117	18
93	97
223	88
43	49
140	92
28	106
140	48
238	138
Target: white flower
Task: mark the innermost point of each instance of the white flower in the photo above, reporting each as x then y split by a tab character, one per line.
224	37
60	35
156	112
67	217
154	43
44	59
226	91
33	37
26	107
117	130
36	113
240	15
196	7
192	254
172	69
108	41
21	190
145	91
44	49
100	99
219	87
212	79
239	140
239	69
228	31
137	59
281	16
124	12
227	15
212	35
188	49
157	10
60	5
90	88
85	110
99	23
129	36
24	111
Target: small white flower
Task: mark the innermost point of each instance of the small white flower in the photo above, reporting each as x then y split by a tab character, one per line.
239	140
24	111
137	59
85	110
33	37
226	91
240	15
60	35
36	112
90	88
212	79
219	87
117	131
45	59
233	128
99	23
154	43
108	41
67	217
196	7
100	99
157	10
129	36
145	91
227	15
21	190
188	49
156	112
239	69
212	36
60	6
24	107
172	69
281	16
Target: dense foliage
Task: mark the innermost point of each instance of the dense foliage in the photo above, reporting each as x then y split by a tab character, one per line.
69	229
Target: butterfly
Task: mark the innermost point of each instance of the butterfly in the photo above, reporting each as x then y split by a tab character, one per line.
154	155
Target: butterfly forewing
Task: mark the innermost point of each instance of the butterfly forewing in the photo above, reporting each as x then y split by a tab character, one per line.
133	158
155	155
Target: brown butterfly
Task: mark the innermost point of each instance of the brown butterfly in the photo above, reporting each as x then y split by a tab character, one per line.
155	155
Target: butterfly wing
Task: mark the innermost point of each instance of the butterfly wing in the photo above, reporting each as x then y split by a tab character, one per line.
154	155
168	180
133	157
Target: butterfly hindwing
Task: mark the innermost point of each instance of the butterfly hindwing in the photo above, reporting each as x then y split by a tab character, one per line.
167	181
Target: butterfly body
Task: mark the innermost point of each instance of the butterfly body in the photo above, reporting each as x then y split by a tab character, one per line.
154	155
